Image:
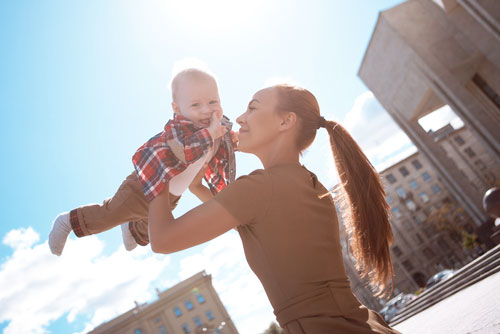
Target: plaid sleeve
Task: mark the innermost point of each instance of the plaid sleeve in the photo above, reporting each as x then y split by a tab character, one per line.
189	148
151	165
217	173
168	154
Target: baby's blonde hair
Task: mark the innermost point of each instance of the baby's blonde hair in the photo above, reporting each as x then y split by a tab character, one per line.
186	69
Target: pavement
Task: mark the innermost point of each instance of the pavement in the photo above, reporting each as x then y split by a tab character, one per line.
473	310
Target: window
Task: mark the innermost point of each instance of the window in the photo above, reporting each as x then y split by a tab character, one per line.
480	164
401	192
486	89
459	140
411	205
423	197
470	153
209	314
177	311
218	331
414	184
418	238
391	178
404	171
200	298
186	329
157	320
397	251
436	189
189	305
197	321
408	266
162	330
419	217
416	164
426	176
429	254
396	213
137	331
389	199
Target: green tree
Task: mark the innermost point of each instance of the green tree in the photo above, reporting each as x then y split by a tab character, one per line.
451	218
274	329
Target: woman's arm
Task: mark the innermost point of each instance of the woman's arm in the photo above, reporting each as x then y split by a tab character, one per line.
198	189
201	224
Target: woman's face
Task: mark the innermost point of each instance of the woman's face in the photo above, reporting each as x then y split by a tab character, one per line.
260	123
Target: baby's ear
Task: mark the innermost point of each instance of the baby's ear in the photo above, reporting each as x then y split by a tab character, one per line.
175	108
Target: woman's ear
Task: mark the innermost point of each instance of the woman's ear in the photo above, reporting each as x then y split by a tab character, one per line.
288	120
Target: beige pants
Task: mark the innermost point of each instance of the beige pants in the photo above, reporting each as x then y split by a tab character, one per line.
128	205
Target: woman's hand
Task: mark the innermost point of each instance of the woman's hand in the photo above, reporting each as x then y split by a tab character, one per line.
197	188
235	139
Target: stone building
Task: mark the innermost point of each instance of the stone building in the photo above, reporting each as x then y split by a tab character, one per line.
425	54
191	306
417	196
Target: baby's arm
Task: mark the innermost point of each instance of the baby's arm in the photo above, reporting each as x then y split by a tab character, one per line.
198	189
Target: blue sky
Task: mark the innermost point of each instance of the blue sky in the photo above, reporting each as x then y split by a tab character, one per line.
84	84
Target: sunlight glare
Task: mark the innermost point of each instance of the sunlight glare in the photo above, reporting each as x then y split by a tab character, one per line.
216	15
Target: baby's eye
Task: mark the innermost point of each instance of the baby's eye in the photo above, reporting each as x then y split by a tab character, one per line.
214	102
195	105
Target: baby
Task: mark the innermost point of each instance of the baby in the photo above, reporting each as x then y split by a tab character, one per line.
195	137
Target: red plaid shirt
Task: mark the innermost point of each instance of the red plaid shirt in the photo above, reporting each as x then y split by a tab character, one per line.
170	152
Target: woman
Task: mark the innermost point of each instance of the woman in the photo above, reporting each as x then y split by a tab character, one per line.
287	220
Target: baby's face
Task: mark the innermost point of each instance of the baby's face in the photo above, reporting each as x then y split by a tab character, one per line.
197	99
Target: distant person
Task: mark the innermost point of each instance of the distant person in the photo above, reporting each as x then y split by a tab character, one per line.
287	219
169	160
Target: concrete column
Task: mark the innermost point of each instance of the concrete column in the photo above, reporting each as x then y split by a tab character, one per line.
454	179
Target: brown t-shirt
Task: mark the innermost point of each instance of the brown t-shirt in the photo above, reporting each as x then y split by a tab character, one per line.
290	235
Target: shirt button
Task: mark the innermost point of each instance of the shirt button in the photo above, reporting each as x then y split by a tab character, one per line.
163	180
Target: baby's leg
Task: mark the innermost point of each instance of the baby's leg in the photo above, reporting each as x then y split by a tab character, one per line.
139	228
128	204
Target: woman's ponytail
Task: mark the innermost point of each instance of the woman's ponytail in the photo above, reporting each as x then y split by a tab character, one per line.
367	214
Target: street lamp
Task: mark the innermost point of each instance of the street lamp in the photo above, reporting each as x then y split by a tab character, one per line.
491	204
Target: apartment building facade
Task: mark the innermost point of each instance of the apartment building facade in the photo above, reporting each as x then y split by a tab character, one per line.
192	306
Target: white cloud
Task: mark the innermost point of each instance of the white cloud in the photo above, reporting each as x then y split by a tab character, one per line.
22	238
376	132
239	289
39	288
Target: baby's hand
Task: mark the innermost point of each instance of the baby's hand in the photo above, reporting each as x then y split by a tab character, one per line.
215	128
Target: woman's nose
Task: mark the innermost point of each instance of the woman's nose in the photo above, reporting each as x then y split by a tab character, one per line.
240	119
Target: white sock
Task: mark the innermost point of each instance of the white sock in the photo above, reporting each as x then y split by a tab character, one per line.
61	228
128	239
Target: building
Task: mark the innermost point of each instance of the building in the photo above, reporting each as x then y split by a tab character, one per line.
419	199
191	306
425	54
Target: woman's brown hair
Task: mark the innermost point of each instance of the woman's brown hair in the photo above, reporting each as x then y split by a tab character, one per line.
367	217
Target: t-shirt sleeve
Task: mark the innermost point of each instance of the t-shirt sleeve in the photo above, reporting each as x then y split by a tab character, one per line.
248	198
